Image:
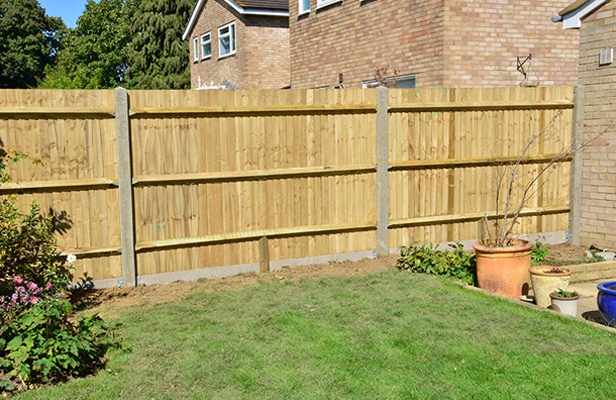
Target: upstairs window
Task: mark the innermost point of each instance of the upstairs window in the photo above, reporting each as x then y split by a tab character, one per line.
206	45
324	3
401	82
196	49
304	6
226	40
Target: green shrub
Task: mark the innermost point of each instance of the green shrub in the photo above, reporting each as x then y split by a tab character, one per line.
28	248
40	344
426	258
538	253
39	340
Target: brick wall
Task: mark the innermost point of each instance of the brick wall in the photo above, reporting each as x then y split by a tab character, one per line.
450	43
598	209
354	37
261	59
268	58
213	15
484	37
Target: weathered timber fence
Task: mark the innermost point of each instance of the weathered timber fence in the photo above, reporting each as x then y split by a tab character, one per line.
158	182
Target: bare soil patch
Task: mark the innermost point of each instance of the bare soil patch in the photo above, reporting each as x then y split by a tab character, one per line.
566	252
155	294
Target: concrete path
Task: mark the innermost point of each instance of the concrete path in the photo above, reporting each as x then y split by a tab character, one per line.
587	306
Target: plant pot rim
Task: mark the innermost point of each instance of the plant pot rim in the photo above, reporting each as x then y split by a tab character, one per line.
605	287
557	297
538	271
519	245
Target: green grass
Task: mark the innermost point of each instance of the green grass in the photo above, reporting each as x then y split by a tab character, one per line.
392	335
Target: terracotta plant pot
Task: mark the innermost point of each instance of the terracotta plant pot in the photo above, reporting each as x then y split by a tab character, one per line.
547	279
565	305
504	270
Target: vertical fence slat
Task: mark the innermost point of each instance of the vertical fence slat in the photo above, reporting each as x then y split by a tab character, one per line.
575	195
382	150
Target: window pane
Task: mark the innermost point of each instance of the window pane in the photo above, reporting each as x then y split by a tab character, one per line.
226	40
196	49
406	83
304	5
207	50
225	46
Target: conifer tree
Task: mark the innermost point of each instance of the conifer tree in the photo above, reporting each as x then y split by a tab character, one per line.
158	58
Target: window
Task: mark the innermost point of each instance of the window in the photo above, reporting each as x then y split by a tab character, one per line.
226	40
196	49
402	82
323	3
304	6
206	45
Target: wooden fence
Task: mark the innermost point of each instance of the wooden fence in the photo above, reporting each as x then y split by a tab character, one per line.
150	182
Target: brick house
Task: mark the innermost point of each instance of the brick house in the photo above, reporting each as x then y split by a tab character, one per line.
596	22
433	43
242	42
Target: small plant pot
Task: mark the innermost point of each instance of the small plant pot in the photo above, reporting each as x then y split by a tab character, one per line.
504	270
566	305
606	301
546	280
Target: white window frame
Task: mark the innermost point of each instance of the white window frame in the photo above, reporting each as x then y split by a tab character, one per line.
205	42
196	49
373	83
231	34
302	12
325	3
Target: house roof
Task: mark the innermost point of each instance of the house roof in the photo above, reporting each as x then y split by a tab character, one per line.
572	15
264	4
272	8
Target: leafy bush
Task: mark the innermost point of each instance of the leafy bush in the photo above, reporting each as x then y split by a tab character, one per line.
538	253
39	342
27	247
426	258
39	339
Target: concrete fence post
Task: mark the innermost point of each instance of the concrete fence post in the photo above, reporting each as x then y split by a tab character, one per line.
382	132
575	195
125	178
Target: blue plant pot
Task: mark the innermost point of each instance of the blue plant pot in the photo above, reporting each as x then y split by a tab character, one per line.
606	301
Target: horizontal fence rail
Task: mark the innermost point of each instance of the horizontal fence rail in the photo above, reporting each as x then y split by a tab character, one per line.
237	176
191	112
184	180
483	106
56	113
475	162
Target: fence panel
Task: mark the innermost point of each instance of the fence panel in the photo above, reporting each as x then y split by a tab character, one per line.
215	171
453	139
261	161
73	133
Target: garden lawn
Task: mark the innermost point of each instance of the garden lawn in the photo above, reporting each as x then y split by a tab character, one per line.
391	335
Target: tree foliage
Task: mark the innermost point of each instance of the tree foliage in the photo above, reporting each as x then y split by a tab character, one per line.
94	55
29	41
132	43
157	56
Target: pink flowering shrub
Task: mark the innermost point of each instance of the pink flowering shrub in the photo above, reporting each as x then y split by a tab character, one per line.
28	248
40	342
24	295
